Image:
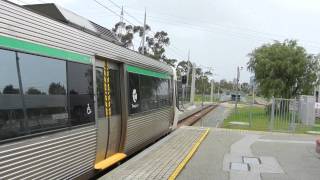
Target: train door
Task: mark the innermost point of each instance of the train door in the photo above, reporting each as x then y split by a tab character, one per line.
108	107
114	110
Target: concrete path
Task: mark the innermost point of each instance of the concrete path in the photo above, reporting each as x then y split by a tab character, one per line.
268	155
295	153
243	164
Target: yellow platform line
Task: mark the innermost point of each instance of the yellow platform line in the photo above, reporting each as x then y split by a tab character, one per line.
184	162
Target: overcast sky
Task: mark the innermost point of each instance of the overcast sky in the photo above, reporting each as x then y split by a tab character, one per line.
219	33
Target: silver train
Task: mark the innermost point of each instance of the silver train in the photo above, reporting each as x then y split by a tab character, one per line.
72	101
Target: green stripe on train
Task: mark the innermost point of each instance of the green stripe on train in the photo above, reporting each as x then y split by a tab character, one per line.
146	72
30	47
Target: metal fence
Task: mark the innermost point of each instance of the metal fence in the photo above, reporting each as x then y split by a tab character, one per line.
281	115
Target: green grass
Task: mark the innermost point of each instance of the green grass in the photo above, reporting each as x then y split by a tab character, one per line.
260	121
198	98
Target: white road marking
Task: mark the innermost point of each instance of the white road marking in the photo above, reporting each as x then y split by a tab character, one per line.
286	141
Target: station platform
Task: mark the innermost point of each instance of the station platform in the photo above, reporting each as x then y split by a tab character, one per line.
201	153
163	160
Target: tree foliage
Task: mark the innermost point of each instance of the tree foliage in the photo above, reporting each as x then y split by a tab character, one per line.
155	45
9	89
225	85
34	91
284	69
245	87
125	37
56	88
182	68
126	33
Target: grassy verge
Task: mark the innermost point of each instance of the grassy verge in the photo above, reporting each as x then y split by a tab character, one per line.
258	121
256	118
206	98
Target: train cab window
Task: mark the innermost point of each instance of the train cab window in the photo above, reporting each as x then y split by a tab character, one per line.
11	109
44	83
80	90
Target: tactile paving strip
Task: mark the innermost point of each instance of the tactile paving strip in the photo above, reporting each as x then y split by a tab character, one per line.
160	160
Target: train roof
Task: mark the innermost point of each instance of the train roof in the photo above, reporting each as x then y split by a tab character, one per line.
76	34
68	17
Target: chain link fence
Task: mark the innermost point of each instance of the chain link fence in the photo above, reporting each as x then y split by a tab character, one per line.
278	114
183	94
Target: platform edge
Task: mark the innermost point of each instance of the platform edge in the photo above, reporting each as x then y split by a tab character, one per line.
184	162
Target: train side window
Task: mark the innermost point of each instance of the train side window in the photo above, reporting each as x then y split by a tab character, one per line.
80	91
44	83
151	93
115	91
170	91
149	98
134	93
11	109
163	92
100	91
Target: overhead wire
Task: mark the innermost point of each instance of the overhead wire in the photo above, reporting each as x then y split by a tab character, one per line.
176	51
252	32
210	27
115	13
120	7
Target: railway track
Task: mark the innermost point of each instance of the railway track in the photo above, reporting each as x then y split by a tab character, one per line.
193	118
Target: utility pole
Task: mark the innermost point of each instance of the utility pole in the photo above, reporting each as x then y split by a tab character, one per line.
121	15
193	83
120	30
211	93
202	99
219	92
188	72
253	95
144	30
237	88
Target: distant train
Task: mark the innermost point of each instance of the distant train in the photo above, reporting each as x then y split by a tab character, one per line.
72	101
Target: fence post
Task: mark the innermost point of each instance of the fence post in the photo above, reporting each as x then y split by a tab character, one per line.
272	114
250	118
250	114
293	119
